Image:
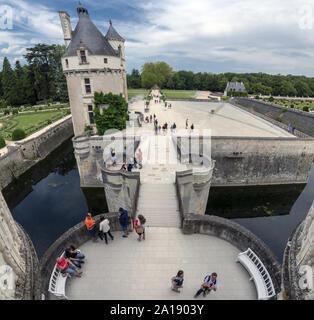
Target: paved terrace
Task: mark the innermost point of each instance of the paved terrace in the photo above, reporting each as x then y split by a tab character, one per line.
127	269
227	120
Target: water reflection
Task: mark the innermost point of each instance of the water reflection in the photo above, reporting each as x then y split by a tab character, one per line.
271	212
48	200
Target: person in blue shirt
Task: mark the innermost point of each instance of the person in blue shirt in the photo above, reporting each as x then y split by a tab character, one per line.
124	221
210	283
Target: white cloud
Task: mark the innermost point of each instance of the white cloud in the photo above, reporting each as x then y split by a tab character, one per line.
265	35
38	24
229	35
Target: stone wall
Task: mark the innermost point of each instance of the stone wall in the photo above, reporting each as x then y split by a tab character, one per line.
301	120
256	161
19	278
93	153
298	265
76	236
26	153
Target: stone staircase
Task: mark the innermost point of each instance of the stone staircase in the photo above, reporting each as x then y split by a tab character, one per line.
158	197
159	205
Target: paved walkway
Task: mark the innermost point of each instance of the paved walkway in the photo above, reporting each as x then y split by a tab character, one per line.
227	120
127	269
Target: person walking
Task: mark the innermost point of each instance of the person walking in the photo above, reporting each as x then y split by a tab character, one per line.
124	221
177	281
210	283
192	127
140	158
293	129
159	128
113	156
140	227
186	123
150	118
174	126
104	228
289	127
91	226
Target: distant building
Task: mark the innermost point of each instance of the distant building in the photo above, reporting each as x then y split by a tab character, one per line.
234	87
92	63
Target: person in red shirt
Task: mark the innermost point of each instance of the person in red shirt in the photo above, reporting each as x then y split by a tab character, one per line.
66	266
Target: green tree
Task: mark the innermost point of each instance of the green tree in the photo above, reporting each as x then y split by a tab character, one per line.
155	73
112	117
8	83
134	79
45	64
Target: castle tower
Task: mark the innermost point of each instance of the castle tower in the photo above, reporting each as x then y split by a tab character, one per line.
92	63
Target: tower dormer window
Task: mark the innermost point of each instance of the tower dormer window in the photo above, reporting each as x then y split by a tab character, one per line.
105	60
83	56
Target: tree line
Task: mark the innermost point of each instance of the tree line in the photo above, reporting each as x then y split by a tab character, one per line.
162	74
40	80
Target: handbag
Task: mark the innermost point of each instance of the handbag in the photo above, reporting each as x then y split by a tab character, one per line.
139	229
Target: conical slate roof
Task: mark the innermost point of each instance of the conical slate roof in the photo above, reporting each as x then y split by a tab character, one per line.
112	34
87	33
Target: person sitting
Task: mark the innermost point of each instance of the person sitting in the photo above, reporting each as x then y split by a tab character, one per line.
130	167
76	257
66	266
123	167
177	281
210	283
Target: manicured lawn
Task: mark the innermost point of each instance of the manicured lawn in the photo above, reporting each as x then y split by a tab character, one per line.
29	122
183	94
136	92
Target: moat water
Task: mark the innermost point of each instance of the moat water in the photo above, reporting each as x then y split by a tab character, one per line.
48	200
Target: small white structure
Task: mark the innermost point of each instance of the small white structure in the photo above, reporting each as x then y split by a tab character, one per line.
234	87
254	266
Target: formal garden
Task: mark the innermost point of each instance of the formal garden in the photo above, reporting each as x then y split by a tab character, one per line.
28	122
304	105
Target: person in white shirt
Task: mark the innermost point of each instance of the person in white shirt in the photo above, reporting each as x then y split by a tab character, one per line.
104	228
140	228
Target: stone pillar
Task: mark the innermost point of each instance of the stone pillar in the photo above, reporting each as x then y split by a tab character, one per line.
12	264
194	186
121	189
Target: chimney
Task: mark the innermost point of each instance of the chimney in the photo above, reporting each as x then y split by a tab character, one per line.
66	27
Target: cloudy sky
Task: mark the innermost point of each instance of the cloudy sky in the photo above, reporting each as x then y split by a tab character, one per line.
273	36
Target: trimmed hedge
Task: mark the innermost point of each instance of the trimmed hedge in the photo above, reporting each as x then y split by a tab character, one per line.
18	134
2	142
